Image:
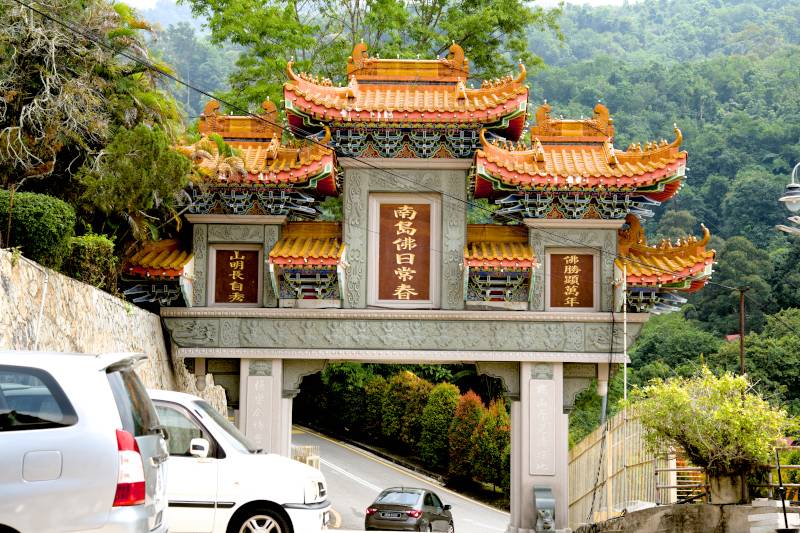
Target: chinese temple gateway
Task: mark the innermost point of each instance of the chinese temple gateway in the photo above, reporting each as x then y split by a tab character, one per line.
271	292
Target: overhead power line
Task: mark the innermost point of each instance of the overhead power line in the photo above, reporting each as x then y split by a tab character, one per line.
74	28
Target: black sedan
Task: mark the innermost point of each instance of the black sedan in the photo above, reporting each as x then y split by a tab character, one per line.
408	509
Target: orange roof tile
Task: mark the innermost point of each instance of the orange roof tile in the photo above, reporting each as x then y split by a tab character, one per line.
686	264
267	163
496	246
402	90
158	259
577	163
308	244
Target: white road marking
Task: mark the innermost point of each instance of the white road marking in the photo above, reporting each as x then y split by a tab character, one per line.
482	525
355	478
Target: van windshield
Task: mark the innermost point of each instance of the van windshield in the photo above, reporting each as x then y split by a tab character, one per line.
242	442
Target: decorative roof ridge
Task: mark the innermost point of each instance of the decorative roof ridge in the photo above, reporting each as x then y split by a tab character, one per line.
599	128
632	240
251	127
652	150
362	65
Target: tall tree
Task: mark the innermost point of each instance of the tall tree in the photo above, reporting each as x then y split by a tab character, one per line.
69	106
320	34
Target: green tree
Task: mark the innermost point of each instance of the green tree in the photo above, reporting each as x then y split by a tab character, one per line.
489	442
406	397
468	415
345	384
717	421
138	173
374	396
67	106
320	35
436	419
671	339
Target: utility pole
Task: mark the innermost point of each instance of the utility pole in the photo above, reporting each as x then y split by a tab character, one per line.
742	290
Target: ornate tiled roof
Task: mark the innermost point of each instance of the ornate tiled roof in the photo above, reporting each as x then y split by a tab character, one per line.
685	265
158	259
406	92
579	155
498	246
308	244
260	156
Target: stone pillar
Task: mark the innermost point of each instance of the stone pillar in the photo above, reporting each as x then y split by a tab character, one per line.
539	444
266	416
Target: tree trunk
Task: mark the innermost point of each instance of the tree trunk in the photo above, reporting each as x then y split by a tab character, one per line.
727	489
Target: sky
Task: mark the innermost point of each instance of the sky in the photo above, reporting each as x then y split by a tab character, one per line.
150	4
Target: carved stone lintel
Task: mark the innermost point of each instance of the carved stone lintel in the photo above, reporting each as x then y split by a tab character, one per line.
231	233
508	372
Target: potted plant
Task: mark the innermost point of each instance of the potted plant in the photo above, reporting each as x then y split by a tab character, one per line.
719	422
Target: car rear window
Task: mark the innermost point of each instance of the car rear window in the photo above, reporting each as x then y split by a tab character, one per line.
135	408
399	498
30	398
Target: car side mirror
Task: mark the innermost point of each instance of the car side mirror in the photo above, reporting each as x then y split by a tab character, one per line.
447	507
199	447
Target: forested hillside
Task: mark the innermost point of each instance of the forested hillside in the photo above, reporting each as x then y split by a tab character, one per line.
727	73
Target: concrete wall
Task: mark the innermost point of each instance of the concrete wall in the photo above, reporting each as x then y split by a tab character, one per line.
41	309
696	518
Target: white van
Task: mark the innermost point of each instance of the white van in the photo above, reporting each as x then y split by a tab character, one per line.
219	482
80	446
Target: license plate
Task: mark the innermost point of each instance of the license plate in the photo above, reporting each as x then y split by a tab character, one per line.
390	515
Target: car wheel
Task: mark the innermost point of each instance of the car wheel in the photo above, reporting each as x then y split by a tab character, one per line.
261	521
451	528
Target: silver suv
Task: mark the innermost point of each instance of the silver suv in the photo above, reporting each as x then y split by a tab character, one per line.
81	445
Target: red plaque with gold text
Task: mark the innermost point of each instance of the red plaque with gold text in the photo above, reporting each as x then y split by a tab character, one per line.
572	280
236	277
404	253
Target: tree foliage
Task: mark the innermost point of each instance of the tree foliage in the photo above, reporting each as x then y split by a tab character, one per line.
320	35
468	415
719	423
436	419
41	226
71	110
91	260
490	441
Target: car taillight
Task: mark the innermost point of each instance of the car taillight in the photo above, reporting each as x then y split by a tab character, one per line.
414	513
130	481
371	511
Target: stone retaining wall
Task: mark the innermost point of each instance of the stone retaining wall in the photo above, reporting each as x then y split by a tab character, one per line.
41	309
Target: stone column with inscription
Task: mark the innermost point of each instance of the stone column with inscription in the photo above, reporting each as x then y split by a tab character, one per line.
265	414
538	444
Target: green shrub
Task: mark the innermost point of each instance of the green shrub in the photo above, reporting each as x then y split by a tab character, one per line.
489	442
346	402
92	260
374	396
436	419
468	415
41	226
406	397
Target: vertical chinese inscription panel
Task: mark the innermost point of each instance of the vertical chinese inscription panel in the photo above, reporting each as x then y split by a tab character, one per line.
572	280
404	252
236	276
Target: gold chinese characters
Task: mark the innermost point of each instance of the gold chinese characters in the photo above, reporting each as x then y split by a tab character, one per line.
237	273
404	244
572	272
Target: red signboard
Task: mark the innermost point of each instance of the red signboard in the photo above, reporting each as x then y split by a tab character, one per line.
404	252
236	277
572	280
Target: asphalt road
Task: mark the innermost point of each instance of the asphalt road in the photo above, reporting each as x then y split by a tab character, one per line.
355	478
